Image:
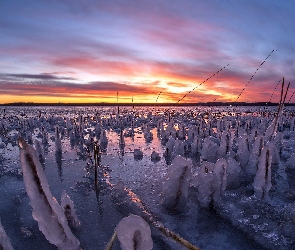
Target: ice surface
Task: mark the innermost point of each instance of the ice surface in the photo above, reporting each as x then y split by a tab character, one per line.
4	239
269	222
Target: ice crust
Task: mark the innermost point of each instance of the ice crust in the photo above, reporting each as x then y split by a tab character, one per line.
4	239
231	173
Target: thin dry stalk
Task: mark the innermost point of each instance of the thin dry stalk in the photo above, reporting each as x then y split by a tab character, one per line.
112	240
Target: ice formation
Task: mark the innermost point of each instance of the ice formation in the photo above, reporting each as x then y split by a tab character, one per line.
58	147
233	173
46	210
128	202
220	170
69	210
209	150
252	164
175	188
134	232
39	151
262	181
207	184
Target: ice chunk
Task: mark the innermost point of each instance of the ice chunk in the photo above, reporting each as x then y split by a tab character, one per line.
4	239
147	133
209	150
175	188
169	147
181	132
207	184
243	151
225	149
68	206
220	172
46	210
275	156
262	180
134	232
39	151
179	148
233	173
251	167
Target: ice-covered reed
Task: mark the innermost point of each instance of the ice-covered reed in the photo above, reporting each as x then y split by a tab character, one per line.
134	232
262	181
69	210
175	188
58	147
128	202
46	210
39	151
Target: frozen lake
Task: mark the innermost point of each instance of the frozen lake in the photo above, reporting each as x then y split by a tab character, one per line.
73	170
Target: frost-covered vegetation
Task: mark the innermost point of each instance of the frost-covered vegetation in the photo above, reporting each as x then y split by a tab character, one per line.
202	176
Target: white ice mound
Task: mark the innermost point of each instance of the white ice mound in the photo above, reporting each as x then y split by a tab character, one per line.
69	210
262	180
46	210
39	150
207	185
4	239
179	148
169	147
221	173
209	150
175	188
251	167
243	151
134	232
233	174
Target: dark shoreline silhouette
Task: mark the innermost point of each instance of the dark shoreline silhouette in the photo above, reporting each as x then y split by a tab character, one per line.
149	104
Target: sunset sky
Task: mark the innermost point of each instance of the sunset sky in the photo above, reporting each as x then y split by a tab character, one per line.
87	51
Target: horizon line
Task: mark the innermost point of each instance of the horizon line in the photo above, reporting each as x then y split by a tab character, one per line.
145	104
